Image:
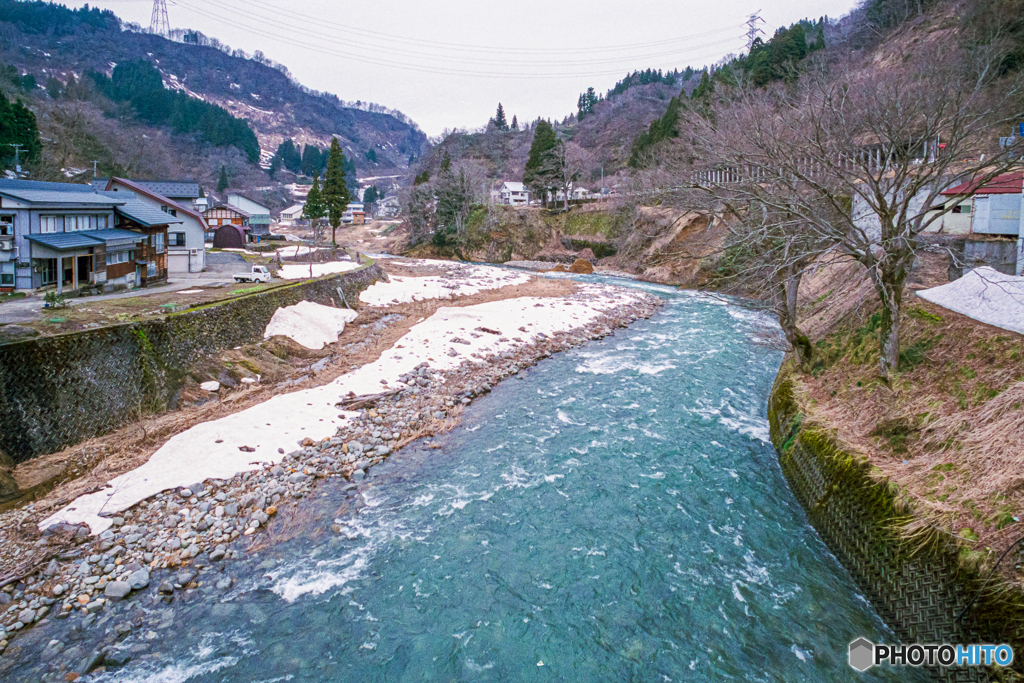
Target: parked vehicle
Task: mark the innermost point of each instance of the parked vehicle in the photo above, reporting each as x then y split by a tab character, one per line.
258	274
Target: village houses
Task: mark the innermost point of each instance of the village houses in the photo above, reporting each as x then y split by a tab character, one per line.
72	237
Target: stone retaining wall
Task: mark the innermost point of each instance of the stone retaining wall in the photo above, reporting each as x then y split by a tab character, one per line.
918	588
60	390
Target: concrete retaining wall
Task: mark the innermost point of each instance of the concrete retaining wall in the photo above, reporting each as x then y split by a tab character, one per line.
57	391
919	588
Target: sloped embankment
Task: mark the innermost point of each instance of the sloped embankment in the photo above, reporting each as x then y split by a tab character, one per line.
657	244
915	483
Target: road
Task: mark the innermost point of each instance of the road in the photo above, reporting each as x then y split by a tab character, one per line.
28	309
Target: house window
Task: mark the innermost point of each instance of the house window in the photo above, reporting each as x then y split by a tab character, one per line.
115	257
78	223
48	223
7	226
7	274
177	239
158	243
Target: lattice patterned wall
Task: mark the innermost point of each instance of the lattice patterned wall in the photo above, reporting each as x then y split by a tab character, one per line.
917	595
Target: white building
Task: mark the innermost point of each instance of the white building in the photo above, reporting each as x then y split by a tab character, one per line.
514	194
292	215
186	242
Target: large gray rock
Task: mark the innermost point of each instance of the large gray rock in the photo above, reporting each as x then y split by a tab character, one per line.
138	579
116	590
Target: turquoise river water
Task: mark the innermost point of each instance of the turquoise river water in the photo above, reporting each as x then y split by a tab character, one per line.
614	514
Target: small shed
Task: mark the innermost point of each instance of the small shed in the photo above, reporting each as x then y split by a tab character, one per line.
229	237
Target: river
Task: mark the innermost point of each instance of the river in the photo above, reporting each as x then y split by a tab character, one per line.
615	513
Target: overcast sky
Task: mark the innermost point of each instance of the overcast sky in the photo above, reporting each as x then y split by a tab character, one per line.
448	64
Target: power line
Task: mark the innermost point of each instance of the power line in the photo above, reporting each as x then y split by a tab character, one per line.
427	68
390	39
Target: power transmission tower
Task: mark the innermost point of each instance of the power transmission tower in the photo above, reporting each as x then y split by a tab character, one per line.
159	23
753	30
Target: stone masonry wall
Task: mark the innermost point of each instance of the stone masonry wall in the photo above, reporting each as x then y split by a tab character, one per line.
60	390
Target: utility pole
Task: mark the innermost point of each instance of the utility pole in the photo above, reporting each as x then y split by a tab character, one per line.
159	24
753	29
17	149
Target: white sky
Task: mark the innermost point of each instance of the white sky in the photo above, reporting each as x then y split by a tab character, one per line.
448	64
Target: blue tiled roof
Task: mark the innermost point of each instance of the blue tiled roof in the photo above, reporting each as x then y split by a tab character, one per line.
7	184
65	240
61	241
112	235
62	198
145	214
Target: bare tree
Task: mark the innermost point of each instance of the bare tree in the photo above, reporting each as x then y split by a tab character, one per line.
571	161
857	155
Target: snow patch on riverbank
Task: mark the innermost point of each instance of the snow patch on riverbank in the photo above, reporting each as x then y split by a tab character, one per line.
984	294
310	324
211	450
298	271
461	281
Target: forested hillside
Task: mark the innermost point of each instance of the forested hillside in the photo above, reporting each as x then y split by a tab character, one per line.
66	71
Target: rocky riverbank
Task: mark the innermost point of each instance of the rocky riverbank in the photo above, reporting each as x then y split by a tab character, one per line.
178	545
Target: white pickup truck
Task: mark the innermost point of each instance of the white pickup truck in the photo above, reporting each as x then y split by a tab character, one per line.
258	274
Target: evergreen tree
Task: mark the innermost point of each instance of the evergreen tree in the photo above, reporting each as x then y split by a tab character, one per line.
18	127
499	118
515	123
540	172
222	183
288	156
371	155
335	191
312	160
585	104
314	210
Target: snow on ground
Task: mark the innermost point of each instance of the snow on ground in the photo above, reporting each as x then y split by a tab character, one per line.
297	250
984	294
298	271
211	450
458	282
309	324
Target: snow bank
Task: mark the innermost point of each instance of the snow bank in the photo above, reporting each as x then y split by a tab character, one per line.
298	271
460	281
984	294
309	324
211	449
297	250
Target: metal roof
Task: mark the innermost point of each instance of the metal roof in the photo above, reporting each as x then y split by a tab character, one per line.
174	189
1008	183
132	185
64	240
61	241
228	207
116	235
10	184
64	198
145	214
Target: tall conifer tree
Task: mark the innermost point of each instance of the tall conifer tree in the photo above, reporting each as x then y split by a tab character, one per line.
314	209
335	191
